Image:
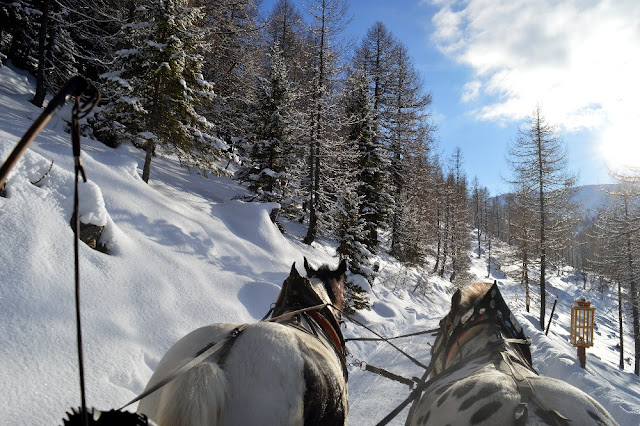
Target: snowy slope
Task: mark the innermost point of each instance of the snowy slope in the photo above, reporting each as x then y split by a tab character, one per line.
184	254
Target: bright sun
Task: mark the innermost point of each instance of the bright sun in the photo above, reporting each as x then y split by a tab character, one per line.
620	147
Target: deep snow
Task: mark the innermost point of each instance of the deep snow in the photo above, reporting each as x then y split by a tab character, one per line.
185	254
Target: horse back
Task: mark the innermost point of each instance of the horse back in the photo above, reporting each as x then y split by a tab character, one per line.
491	397
269	374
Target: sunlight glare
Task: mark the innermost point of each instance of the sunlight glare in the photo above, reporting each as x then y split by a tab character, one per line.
620	146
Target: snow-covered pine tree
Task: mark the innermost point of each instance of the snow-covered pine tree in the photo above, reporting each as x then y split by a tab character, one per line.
57	50
349	231
273	139
418	204
347	217
373	183
285	26
155	93
357	223
19	27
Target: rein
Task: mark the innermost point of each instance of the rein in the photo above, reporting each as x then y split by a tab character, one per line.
76	87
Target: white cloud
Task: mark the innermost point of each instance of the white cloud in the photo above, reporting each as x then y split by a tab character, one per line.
579	59
471	91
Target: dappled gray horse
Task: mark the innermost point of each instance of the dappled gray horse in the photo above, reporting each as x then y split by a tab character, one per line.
482	373
289	370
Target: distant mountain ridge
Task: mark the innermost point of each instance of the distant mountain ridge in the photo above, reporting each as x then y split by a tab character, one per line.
593	198
589	198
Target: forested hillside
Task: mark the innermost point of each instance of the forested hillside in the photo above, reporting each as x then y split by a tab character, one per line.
340	135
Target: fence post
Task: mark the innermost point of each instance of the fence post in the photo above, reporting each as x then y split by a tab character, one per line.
551	316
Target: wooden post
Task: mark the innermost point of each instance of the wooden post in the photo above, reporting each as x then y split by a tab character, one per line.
582	356
551	316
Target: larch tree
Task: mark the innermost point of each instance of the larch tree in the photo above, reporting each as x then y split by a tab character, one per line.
285	26
523	222
158	86
233	56
407	119
459	220
539	157
328	20
622	231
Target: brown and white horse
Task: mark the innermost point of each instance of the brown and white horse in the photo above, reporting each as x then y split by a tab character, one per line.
289	370
482	373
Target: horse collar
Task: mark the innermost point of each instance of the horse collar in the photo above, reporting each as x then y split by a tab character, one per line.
330	331
490	309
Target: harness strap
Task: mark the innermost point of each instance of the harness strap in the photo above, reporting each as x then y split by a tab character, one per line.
205	353
527	393
329	330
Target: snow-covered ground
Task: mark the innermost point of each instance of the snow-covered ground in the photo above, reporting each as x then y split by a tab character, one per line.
184	254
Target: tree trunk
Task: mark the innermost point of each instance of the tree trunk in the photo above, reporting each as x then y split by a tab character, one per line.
146	171
439	244
633	293
543	239
488	243
636	328
41	89
620	324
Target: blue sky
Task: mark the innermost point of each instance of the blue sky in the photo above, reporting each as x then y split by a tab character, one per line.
488	63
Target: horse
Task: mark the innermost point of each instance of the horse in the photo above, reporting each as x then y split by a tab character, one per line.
288	370
481	372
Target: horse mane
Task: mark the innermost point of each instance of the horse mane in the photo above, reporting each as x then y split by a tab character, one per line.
466	297
473	292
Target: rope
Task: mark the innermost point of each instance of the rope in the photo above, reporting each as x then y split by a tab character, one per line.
377	339
79	111
75	140
415	361
75	87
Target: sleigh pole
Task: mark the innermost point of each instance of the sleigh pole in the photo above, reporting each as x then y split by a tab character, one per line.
75	87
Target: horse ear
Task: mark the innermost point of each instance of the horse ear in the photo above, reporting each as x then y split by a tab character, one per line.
455	300
342	268
308	268
294	271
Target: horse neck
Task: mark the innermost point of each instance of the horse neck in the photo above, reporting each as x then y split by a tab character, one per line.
477	341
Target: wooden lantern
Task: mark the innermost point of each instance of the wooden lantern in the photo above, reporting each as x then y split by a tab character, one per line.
582	315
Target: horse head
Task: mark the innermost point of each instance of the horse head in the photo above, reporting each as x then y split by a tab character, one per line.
480	304
321	289
320	286
331	280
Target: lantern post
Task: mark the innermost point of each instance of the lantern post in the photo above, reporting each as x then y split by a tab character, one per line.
582	315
